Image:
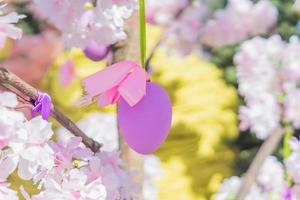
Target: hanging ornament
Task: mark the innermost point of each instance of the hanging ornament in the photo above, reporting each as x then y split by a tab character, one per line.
144	108
96	52
146	125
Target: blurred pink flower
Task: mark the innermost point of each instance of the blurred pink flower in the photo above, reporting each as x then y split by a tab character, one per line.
163	12
66	73
185	31
34	54
239	20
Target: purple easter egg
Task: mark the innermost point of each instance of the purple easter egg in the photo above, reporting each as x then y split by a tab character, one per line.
96	52
146	125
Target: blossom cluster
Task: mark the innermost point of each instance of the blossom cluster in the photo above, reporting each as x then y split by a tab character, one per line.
163	12
270	183
102	127
61	169
239	20
184	32
268	78
83	23
236	22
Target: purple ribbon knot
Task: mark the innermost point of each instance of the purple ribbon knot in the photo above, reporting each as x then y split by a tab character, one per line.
42	105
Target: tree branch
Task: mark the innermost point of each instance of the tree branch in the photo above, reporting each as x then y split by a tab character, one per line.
14	81
129	49
266	149
163	35
94	2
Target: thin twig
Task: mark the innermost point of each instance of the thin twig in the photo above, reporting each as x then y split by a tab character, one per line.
94	2
163	36
8	78
266	149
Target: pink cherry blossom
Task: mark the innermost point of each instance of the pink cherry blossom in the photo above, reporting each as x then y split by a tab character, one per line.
73	186
25	142
27	147
36	156
107	165
81	26
65	152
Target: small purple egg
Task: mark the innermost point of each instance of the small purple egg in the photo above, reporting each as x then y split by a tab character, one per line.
146	125
96	52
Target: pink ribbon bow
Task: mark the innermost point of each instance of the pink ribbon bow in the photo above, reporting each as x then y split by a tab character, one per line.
124	79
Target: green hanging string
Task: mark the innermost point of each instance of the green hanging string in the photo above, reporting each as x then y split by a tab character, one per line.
142	33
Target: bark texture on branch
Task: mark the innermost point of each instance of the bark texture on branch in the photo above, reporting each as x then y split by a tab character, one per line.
14	81
266	149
